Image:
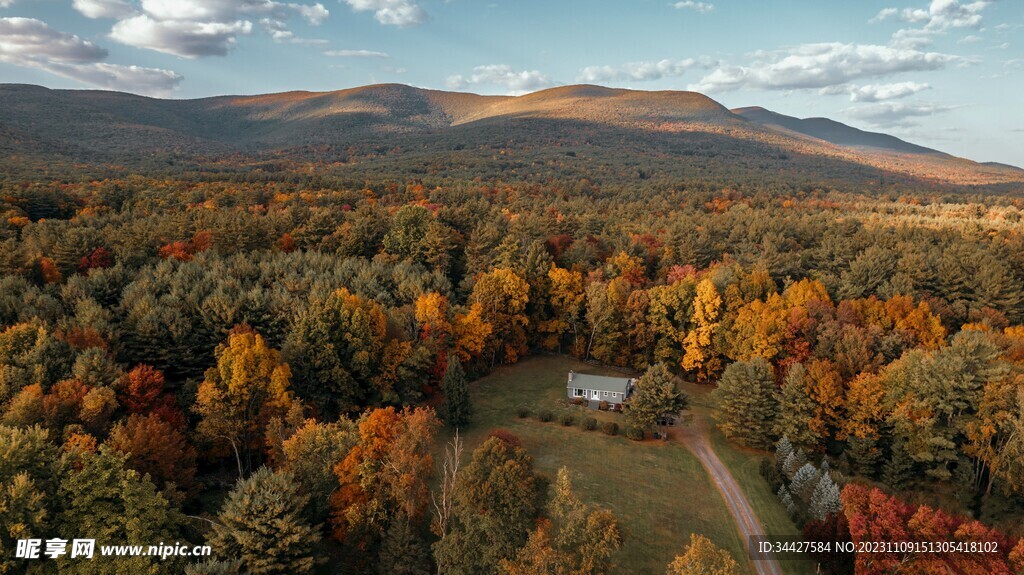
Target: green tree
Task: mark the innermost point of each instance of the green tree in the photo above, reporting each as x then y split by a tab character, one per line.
116	505
747	405
261	524
496	499
577	540
796	409
655	396
457	407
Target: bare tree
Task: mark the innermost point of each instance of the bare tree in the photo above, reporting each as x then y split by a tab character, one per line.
449	473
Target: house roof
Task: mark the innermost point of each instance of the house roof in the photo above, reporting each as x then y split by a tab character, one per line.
599	382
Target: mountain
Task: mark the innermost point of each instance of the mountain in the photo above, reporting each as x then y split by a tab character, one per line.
832	131
407	131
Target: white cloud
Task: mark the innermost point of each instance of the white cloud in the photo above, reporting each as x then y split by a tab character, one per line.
32	43
641	71
400	13
879	92
185	38
514	81
940	14
103	8
357	54
7	3
701	7
970	39
815	66
196	28
891	114
939	17
315	14
28	39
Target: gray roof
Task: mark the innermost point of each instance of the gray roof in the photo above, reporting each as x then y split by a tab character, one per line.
599	382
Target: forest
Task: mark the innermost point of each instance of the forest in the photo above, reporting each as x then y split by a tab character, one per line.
273	363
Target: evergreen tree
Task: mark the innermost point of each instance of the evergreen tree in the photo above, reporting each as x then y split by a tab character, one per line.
403	551
825	499
495	508
261	525
655	396
793	463
864	455
457	407
796	409
899	469
787	501
804	483
747	405
783	449
117	504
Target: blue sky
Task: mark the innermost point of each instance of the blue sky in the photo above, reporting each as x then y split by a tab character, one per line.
943	73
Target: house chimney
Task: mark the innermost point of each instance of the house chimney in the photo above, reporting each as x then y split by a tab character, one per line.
570	375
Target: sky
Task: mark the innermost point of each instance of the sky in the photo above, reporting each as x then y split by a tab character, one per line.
947	74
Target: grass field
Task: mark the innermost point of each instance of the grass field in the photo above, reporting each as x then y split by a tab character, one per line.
659	491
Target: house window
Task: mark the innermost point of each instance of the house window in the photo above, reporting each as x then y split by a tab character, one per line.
606	394
578	392
614	395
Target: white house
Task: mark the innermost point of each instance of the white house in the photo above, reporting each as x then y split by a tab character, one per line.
598	388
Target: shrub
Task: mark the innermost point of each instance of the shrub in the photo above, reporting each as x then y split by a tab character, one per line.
589	424
545	415
506	436
578	401
610	428
523	412
635	433
603	406
566	419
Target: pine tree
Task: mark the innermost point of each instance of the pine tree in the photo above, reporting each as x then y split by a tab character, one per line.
863	455
899	469
793	463
783	449
804	482
787	501
457	406
796	409
655	395
106	498
403	551
261	525
746	402
825	499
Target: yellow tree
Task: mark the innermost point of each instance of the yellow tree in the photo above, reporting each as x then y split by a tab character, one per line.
249	385
502	296
825	388
758	330
432	315
699	354
668	314
566	299
471	333
702	557
918	320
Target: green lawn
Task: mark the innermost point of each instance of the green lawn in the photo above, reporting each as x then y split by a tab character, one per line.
659	491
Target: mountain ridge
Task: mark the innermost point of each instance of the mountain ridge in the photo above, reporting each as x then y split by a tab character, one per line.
105	126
